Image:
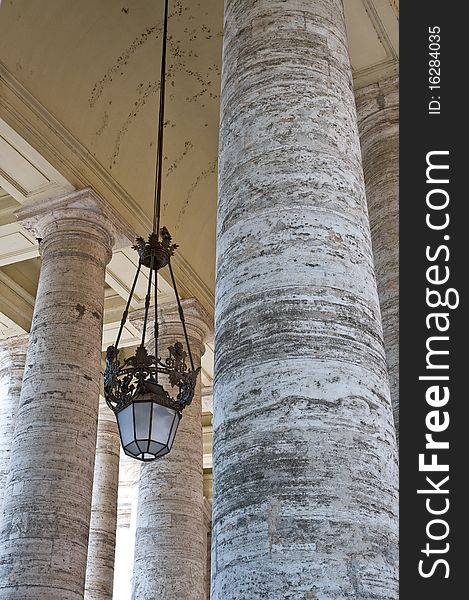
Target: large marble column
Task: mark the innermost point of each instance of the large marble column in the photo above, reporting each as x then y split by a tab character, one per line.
45	525
103	525
12	359
169	546
304	452
378	123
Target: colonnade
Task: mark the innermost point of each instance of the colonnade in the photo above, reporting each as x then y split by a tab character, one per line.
304	443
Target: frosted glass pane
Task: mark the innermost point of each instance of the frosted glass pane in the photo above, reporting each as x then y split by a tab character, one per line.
142	411
173	432
161	424
162	452
126	425
133	449
143	445
155	447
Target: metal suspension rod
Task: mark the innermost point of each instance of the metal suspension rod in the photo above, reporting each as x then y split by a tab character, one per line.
159	153
147	300
156	326
181	315
126	311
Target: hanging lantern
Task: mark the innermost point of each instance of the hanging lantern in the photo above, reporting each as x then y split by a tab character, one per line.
147	414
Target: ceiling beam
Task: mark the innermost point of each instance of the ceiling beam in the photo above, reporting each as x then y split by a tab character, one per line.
15	302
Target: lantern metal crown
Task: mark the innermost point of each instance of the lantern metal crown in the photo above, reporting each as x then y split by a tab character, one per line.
147	415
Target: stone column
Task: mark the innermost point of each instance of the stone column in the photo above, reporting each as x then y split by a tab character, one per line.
304	452
12	359
169	547
45	525
208	544
378	123
129	475
207	415
102	541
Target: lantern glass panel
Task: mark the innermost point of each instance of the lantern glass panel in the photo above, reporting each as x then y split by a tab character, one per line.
162	452
162	422
147	429
155	447
173	431
143	445
125	420
142	411
132	449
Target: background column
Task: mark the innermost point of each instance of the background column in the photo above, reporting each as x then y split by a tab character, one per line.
304	453
170	541
127	499
12	359
378	122
208	544
45	525
102	541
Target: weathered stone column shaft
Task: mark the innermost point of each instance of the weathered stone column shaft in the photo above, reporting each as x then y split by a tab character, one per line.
12	360
103	525
378	122
169	548
127	500
304	453
45	526
208	545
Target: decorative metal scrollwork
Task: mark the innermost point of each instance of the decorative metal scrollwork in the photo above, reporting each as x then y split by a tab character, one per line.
139	375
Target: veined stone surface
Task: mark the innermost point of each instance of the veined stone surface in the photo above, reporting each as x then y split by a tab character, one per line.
102	541
127	498
208	544
45	524
304	455
12	359
378	122
170	553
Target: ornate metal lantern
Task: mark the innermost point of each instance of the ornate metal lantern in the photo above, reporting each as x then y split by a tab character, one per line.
147	415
